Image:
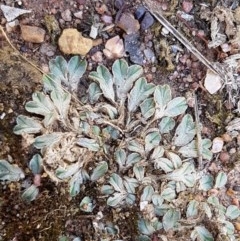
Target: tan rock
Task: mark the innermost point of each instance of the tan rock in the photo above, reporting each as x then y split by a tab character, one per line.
32	34
72	42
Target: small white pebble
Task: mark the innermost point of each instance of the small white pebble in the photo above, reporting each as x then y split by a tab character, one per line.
212	82
164	31
97	57
225	47
66	15
217	144
78	14
2	115
232	151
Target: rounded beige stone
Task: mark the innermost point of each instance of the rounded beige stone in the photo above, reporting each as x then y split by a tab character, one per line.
72	42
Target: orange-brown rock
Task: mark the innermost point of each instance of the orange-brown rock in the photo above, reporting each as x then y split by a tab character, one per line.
32	34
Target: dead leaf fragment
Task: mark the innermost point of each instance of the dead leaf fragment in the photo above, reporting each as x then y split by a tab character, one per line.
10	13
212	82
72	42
114	48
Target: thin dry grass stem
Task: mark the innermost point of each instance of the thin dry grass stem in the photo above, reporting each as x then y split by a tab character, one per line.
35	66
199	137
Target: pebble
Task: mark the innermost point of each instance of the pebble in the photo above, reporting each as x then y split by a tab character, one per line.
149	54
217	144
66	15
114	48
72	42
232	151
107	19
93	32
48	49
101	9
133	47
164	6
154	69
187	6
128	23
226	47
189	63
201	33
2	116
140	11
11	26
149	77
118	4
212	82
226	137
37	180
32	34
97	57
224	157
78	14
89	67
237	226
45	68
147	21
164	31
184	59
